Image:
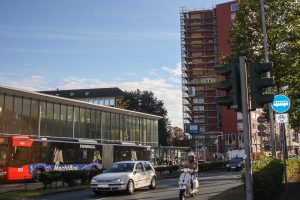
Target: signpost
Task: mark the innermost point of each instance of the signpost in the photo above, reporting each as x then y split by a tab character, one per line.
280	105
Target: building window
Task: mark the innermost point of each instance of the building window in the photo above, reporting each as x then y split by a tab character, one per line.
234	7
202	128
198	100
241	138
239	115
198	108
229	139
240	126
199	120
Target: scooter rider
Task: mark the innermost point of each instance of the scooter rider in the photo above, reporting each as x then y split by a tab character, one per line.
193	166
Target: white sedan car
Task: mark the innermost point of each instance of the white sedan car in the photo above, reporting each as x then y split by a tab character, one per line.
126	175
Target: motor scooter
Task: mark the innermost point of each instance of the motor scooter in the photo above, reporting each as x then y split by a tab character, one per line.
186	180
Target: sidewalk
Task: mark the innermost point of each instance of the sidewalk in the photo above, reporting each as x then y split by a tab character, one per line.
19	186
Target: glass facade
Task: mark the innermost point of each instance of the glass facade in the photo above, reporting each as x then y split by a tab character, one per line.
45	118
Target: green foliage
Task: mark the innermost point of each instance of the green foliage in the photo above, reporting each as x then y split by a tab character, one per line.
283	33
211	166
267	177
175	136
293	167
146	102
68	177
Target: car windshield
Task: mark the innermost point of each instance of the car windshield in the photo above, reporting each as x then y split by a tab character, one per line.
120	167
2	155
234	161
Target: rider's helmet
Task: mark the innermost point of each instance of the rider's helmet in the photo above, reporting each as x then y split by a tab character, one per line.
191	156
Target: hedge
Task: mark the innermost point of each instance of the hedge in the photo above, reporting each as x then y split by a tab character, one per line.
202	167
211	166
293	167
267	178
68	177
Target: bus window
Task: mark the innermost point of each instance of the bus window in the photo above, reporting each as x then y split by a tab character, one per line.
87	155
2	155
19	156
69	152
39	155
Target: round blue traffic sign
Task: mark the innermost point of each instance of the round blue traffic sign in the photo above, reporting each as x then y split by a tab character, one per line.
281	103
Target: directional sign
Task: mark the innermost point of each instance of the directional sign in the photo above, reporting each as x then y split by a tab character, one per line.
281	103
282	118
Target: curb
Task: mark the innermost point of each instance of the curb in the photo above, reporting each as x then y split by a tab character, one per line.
55	191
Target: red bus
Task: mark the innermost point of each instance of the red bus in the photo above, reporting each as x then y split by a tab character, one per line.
22	157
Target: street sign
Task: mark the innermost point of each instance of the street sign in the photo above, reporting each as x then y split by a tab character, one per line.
282	118
281	103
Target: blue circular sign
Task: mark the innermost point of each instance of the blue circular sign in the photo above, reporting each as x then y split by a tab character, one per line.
281	103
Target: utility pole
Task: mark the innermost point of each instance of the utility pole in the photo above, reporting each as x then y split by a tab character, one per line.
271	117
244	95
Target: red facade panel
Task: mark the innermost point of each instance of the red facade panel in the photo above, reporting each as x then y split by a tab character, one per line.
224	15
224	22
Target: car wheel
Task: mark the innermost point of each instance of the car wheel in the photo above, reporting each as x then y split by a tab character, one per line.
37	175
130	187
153	183
97	192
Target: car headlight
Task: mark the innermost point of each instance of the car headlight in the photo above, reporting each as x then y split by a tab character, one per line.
93	181
227	165
239	165
118	180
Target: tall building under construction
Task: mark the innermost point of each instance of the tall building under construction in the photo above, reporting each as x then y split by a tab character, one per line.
202	42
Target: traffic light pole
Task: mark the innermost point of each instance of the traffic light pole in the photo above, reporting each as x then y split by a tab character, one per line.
271	117
245	110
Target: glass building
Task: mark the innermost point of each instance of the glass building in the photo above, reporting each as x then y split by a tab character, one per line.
41	115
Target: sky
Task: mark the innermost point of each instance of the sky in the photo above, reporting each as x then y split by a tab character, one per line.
73	44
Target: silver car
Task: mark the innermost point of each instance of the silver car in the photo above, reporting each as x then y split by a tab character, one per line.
126	176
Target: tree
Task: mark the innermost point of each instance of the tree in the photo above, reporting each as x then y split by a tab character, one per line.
175	136
283	33
146	102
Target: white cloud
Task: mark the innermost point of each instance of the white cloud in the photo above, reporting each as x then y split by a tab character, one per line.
176	72
32	83
166	89
62	33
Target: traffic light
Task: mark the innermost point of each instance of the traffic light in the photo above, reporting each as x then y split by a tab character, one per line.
258	84
231	85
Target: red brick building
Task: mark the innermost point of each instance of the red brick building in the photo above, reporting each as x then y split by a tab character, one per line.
231	121
205	37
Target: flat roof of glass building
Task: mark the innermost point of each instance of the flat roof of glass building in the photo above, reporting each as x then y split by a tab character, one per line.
61	100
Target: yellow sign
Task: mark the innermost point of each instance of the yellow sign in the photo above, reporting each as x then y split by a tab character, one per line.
119	103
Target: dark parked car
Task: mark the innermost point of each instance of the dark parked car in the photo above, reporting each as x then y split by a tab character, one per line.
235	164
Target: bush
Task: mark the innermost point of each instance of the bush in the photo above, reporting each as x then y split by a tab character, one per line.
170	168
267	177
166	170
293	167
211	166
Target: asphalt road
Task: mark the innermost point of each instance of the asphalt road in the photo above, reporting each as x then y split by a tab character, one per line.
210	185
